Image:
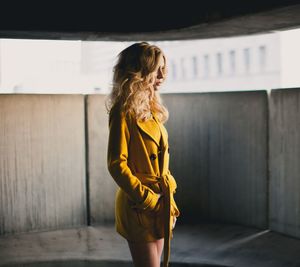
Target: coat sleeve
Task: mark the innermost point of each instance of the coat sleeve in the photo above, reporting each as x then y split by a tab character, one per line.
117	155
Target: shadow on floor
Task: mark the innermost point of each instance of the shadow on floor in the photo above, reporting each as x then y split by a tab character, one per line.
102	263
192	245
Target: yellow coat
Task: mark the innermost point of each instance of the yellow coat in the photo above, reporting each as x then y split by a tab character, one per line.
138	160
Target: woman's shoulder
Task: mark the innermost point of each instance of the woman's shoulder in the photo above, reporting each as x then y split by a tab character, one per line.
117	111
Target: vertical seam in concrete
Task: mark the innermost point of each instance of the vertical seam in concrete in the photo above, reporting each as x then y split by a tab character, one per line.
87	173
268	159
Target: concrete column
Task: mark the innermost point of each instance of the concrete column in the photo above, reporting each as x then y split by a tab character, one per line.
102	187
285	161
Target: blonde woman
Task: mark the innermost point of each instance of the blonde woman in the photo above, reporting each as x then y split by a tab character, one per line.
138	155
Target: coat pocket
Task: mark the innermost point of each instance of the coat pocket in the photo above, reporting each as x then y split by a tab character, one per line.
152	219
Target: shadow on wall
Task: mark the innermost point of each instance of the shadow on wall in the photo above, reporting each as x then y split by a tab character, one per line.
233	154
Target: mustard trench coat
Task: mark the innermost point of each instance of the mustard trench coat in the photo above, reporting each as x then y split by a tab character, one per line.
138	160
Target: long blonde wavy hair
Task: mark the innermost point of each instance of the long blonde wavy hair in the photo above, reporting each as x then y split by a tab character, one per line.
132	86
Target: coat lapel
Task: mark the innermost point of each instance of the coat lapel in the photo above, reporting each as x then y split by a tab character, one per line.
163	143
164	148
164	134
150	129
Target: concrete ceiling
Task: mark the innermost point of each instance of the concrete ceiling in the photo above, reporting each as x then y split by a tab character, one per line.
153	20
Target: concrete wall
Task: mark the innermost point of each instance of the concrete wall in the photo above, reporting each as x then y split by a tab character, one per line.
42	162
285	161
102	187
218	152
218	155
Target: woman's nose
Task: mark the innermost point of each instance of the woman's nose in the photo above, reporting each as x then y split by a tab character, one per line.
159	74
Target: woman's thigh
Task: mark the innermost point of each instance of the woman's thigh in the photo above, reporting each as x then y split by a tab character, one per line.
160	246
146	254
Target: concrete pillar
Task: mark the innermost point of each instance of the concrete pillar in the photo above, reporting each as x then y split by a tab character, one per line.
102	187
285	161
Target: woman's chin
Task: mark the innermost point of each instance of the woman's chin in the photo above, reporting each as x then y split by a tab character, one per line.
156	87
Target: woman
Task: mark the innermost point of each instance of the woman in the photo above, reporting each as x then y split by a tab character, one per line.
138	155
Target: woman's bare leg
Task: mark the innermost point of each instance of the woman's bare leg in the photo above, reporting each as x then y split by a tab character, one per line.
146	254
160	246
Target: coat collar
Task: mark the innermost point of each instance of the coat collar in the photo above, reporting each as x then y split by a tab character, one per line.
148	128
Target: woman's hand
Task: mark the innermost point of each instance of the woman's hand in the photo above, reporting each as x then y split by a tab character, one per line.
158	205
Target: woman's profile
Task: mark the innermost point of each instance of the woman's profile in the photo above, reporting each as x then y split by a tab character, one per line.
138	155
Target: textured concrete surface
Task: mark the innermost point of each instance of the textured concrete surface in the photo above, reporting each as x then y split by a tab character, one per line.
104	263
102	187
42	162
218	244
284	161
217	150
218	155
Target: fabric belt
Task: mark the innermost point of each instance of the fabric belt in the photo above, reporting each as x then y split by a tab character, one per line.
167	217
166	190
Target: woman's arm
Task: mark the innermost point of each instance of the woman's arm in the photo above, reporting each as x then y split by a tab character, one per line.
117	155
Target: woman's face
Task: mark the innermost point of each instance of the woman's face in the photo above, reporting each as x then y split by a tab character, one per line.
159	73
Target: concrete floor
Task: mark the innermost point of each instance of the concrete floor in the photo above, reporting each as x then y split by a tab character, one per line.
219	244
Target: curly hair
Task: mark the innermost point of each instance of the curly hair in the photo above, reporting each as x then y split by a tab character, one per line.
132	84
